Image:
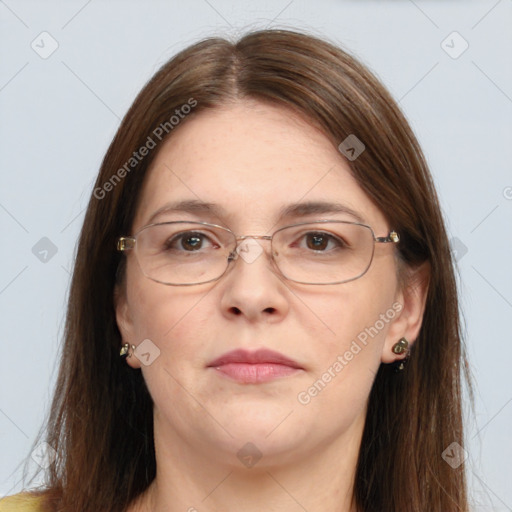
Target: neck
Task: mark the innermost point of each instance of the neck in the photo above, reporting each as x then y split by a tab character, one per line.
190	479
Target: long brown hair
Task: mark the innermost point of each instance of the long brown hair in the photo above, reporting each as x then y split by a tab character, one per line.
101	423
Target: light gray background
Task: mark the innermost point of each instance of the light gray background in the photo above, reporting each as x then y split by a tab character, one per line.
59	114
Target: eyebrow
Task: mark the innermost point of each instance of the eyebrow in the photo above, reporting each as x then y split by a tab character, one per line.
301	209
188	206
318	207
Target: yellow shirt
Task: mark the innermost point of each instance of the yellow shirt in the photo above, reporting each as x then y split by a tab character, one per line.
20	503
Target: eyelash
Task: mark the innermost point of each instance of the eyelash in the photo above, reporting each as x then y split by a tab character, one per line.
180	237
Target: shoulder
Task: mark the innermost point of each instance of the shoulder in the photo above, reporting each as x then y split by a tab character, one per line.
23	502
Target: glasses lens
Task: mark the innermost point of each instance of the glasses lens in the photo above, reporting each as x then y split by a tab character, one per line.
323	252
183	252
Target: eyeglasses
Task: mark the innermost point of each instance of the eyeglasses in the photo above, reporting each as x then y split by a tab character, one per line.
183	253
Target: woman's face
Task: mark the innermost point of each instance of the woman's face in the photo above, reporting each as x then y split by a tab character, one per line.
251	161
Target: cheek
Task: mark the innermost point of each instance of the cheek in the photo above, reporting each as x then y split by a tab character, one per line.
359	311
170	316
355	319
349	343
178	322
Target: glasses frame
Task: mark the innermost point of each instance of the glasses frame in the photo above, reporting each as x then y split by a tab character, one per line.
127	243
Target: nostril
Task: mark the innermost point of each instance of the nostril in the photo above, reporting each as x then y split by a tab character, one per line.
235	310
269	310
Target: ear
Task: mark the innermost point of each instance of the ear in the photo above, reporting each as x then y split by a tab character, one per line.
410	303
125	323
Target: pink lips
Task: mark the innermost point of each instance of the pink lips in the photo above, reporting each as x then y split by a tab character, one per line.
254	367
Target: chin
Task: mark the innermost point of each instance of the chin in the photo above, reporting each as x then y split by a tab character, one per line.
269	428
253	448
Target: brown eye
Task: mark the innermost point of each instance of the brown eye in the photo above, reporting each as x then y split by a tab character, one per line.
188	242
317	241
192	242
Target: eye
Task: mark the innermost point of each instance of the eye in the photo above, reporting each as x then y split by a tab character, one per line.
321	241
189	241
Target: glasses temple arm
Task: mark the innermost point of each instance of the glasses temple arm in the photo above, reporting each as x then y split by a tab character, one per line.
391	238
125	243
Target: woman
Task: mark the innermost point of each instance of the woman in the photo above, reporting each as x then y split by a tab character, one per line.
263	313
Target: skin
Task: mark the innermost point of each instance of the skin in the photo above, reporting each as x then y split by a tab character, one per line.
252	159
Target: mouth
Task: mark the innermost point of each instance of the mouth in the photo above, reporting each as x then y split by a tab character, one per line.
254	367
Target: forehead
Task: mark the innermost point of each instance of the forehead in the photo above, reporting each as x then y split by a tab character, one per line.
252	160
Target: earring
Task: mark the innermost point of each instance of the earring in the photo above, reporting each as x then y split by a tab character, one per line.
125	350
399	348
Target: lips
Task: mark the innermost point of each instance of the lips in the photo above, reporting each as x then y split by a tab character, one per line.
254	367
260	356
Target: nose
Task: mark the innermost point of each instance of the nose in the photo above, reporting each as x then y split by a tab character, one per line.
252	288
